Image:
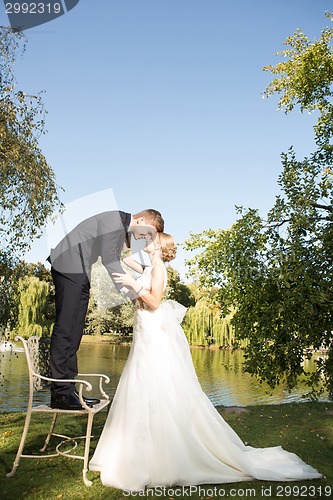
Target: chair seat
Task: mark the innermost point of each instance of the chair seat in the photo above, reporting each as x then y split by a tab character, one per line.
95	409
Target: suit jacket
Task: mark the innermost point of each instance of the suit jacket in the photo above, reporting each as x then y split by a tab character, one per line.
102	235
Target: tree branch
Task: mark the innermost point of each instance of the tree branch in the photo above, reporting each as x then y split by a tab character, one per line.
279	224
329	208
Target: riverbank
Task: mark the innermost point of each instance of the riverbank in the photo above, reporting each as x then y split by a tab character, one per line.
107	339
115	339
127	340
305	429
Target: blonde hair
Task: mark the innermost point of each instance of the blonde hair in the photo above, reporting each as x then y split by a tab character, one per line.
168	246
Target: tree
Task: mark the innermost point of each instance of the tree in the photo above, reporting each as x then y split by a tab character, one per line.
177	290
204	325
277	273
28	192
117	320
33	299
11	275
304	79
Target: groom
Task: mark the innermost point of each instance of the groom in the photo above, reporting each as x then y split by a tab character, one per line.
102	235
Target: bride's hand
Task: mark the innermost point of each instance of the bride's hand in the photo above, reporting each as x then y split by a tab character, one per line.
124	279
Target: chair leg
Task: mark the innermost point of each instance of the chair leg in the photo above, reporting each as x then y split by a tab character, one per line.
87	482
20	448
54	418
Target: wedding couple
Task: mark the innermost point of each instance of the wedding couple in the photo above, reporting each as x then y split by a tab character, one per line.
161	430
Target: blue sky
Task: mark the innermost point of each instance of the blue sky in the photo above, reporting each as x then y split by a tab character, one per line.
160	101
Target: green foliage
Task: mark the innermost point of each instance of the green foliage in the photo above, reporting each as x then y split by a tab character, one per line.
28	193
177	290
33	300
12	272
117	320
305	79
204	326
277	273
9	277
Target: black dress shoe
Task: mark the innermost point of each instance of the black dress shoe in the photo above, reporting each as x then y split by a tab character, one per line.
66	402
88	401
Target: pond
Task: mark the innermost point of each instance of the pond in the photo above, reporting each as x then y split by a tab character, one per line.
219	372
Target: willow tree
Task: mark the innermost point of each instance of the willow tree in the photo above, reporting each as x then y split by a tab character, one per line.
28	192
277	273
204	326
11	275
33	301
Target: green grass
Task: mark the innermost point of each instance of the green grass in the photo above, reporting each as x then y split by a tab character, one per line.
305	429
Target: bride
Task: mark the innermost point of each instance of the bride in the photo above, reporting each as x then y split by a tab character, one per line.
162	430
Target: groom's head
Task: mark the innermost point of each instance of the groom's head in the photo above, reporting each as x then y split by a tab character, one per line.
146	223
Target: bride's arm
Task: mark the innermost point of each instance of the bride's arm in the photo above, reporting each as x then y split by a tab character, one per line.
153	297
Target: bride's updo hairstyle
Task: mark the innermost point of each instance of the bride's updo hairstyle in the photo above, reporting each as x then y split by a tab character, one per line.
168	246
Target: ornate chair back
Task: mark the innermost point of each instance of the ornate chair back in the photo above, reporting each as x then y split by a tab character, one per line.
37	350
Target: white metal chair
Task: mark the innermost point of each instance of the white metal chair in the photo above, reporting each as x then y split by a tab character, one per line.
37	355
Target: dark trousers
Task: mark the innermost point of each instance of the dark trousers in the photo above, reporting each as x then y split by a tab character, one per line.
71	300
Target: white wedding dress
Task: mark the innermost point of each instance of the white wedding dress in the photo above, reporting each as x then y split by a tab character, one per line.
162	430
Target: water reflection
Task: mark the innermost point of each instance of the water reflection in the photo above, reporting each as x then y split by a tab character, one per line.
219	372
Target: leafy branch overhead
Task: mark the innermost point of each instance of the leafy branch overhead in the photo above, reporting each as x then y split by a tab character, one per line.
276	273
305	79
28	192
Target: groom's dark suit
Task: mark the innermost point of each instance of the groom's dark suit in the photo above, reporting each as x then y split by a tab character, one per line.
102	235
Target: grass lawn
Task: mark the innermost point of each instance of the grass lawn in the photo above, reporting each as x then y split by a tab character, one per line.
305	429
